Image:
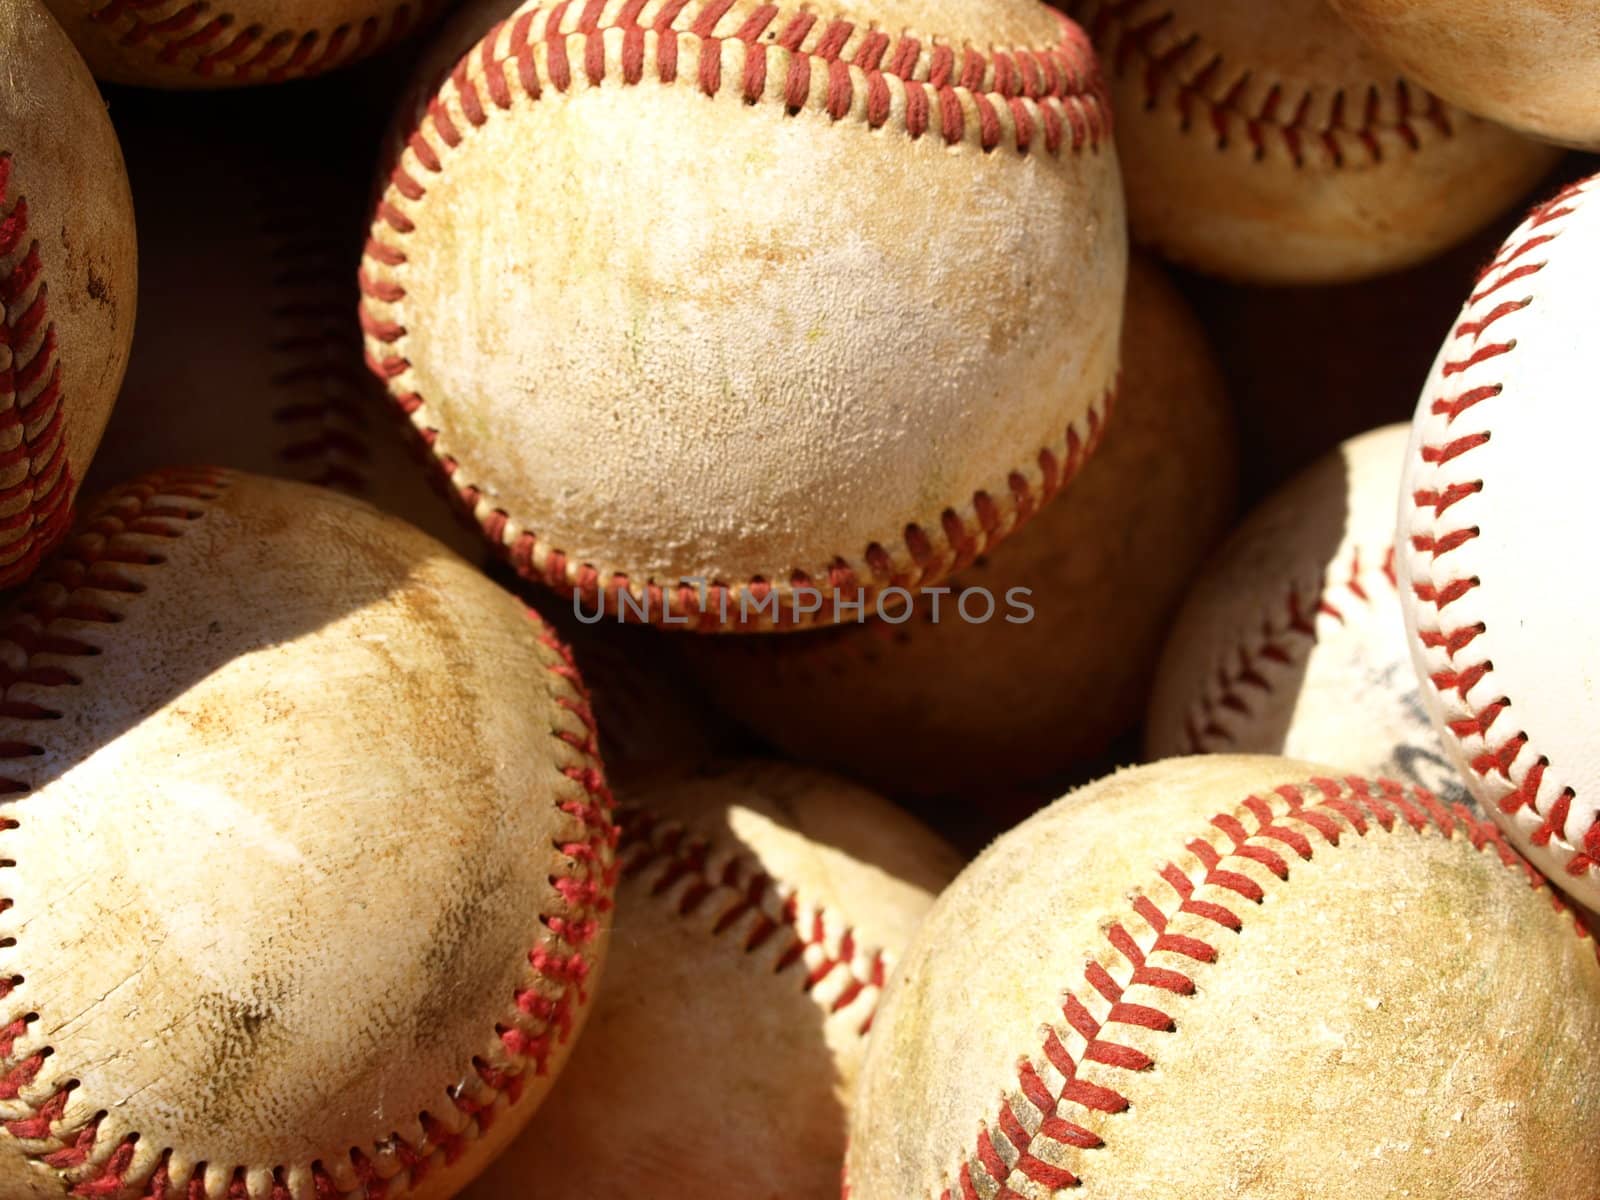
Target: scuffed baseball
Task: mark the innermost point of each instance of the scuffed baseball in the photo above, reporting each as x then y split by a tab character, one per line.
1262	141
1496	520
1292	641
68	278
707	304
307	854
224	43
1530	65
1228	977
760	911
248	354
941	703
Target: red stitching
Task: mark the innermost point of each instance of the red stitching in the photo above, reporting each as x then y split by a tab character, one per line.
1433	538
1246	673
1209	92
36	483
1051	99
216	46
754	902
1270	831
323	415
74	587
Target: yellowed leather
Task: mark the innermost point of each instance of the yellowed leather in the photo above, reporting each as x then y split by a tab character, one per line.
66	177
280	862
1403	1015
709	1069
1530	65
934	706
1261	140
678	335
222	43
247	353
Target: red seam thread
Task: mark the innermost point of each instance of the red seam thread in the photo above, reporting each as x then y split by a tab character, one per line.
216	45
36	482
1139	37
71	587
1074	1115
322	416
1246	671
1052	98
1436	539
649	843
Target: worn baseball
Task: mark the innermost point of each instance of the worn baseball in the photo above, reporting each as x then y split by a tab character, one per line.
67	281
1261	140
1292	641
717	311
308	856
1229	977
1530	65
224	43
1495	513
247	353
1041	653
760	910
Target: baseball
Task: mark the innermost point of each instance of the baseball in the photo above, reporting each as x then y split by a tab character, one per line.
1530	65
782	305
1050	655
1493	545
67	281
1231	977
1261	140
222	43
1292	643
247	354
308	855
760	910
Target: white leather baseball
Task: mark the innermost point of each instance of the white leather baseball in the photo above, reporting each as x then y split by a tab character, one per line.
68	279
1236	978
762	908
1292	641
775	298
1497	518
1262	140
307	856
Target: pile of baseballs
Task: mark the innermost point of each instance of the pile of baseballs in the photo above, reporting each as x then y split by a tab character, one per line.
539	541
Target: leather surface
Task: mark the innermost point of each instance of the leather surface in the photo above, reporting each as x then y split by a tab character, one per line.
1292	641
66	167
275	872
711	1066
1530	65
1380	1022
1262	141
941	705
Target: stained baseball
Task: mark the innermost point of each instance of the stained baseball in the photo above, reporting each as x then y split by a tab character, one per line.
1530	65
1261	140
247	353
1292	642
225	43
308	857
1075	604
760	911
1233	977
68	279
774	299
1495	508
